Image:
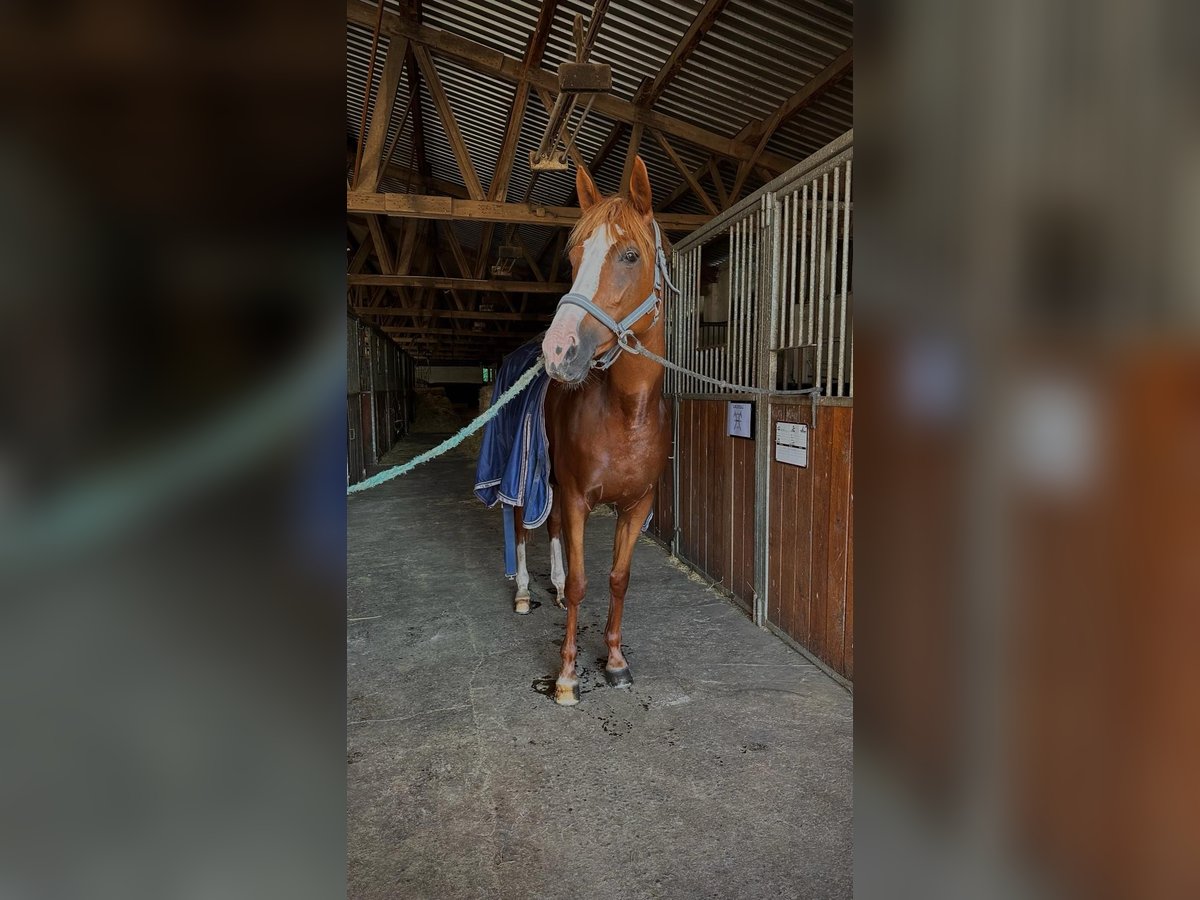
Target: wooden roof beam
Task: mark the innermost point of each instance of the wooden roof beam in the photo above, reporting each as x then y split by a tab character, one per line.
450	332
430	207
460	284
375	311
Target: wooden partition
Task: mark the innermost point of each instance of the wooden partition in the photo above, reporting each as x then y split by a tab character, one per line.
810	533
765	315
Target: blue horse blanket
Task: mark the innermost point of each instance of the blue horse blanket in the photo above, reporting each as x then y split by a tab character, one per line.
514	460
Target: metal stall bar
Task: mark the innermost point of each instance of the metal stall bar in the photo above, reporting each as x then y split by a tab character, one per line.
820	299
779	340
738	312
772	295
845	278
748	232
695	312
798	337
833	269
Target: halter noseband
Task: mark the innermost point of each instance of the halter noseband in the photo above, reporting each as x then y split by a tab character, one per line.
624	329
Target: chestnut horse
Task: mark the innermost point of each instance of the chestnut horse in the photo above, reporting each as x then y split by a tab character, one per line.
606	419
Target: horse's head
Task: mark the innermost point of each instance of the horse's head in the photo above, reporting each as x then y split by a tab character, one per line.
612	252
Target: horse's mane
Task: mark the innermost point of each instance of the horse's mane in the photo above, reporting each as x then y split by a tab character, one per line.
618	211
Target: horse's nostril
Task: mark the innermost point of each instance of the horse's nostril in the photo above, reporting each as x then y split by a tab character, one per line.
571	351
558	351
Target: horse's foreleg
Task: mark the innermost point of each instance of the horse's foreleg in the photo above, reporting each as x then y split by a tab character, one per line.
521	602
629	526
558	569
574	518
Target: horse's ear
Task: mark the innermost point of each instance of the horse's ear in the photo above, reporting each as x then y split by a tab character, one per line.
586	188
639	188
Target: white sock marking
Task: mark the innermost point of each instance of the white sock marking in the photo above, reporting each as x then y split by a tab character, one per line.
522	572
558	572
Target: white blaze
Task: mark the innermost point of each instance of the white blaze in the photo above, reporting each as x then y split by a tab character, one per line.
587	280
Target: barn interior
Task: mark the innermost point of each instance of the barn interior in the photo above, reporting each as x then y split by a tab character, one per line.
466	123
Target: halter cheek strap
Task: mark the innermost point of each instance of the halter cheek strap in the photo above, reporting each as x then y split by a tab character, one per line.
624	329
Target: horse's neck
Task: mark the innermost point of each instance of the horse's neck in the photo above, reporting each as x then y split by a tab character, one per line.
636	382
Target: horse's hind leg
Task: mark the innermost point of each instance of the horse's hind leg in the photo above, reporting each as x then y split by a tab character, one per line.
558	570
629	526
521	602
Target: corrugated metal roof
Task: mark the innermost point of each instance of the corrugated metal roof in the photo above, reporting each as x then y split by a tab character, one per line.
756	55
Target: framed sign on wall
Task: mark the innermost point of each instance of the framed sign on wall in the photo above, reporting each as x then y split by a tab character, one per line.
740	420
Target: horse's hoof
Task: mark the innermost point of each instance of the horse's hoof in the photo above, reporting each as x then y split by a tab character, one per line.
618	678
566	694
558	601
521	606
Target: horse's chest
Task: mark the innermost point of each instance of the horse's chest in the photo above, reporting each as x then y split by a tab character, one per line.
614	455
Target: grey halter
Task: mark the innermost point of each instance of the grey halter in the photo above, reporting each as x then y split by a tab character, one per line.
624	329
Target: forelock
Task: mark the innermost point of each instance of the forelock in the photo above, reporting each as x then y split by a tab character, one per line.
617	213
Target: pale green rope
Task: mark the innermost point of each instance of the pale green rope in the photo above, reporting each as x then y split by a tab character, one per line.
451	442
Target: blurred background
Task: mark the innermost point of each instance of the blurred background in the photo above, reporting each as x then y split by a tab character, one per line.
172	254
1029	527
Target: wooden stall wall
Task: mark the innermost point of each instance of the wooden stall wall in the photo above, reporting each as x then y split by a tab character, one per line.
379	397
811	521
810	536
716	502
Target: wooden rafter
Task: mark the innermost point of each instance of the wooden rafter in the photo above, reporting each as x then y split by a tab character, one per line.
635	141
687	43
556	260
718	180
481	58
485	248
431	207
383	252
686	173
362	127
449	123
365	247
534	269
459	284
371	167
456	250
413	233
516	114
606	149
420	161
805	96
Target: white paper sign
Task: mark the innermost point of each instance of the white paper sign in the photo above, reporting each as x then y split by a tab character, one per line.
791	443
738	420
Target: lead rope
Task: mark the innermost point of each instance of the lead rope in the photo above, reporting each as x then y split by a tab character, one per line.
454	440
637	348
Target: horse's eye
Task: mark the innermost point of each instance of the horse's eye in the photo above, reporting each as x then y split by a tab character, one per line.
630	256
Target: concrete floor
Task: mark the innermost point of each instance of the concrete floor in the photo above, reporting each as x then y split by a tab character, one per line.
724	772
